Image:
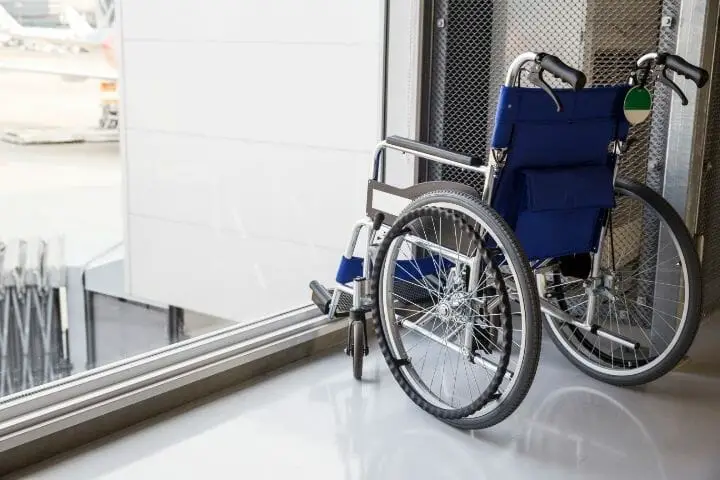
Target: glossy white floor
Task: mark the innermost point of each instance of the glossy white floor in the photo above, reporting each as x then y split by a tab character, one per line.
314	421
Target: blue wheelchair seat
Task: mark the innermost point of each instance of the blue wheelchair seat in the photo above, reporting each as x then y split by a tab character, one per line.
557	180
411	271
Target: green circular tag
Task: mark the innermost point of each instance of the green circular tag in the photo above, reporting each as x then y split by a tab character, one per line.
638	104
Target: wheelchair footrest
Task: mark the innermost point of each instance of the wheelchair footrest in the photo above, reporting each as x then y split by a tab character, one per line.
344	305
320	296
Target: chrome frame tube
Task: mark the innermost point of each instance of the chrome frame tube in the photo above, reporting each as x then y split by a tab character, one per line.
550	309
380	157
355	234
489	182
517	65
594	274
349	251
454	347
468	336
473	282
344	288
615	338
648	57
439	249
359	292
366	262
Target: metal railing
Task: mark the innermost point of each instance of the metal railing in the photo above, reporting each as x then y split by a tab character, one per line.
33	340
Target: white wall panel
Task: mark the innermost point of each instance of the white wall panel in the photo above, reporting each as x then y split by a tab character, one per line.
271	21
248	129
321	95
403	86
264	191
220	271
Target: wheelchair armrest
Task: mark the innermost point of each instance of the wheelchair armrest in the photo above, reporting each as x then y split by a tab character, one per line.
433	151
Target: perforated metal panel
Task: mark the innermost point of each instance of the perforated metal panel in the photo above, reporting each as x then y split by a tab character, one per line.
462	74
473	43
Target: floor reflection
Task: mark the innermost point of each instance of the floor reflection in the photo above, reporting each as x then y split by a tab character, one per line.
570	426
377	441
586	430
316	422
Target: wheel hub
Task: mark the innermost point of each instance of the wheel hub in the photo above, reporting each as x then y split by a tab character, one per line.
456	300
444	311
452	307
606	284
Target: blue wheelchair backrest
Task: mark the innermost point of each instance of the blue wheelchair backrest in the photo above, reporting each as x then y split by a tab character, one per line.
557	181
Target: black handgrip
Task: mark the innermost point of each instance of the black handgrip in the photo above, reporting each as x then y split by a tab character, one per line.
426	149
575	78
681	66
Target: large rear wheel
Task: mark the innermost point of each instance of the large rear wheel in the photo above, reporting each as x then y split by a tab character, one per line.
645	301
456	310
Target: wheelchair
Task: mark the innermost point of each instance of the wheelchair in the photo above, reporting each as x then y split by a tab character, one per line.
458	281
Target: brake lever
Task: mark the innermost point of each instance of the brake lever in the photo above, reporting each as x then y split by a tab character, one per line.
662	78
536	78
640	76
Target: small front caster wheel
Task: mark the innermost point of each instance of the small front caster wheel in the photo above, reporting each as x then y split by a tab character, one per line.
358	348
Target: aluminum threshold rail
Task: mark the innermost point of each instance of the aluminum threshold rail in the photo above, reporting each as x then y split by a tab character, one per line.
35	413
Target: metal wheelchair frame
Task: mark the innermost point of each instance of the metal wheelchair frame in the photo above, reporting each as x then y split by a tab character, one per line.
489	171
385	202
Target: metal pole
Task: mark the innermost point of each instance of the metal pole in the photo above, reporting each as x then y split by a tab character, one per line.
176	324
90	334
681	163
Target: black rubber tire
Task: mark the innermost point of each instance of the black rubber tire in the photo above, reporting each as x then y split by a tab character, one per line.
399	228
525	376
358	346
687	336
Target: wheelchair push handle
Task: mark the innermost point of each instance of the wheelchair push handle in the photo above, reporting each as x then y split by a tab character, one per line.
573	77
541	63
674	63
682	67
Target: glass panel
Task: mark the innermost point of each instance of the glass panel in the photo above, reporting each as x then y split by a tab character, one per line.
233	190
61	225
